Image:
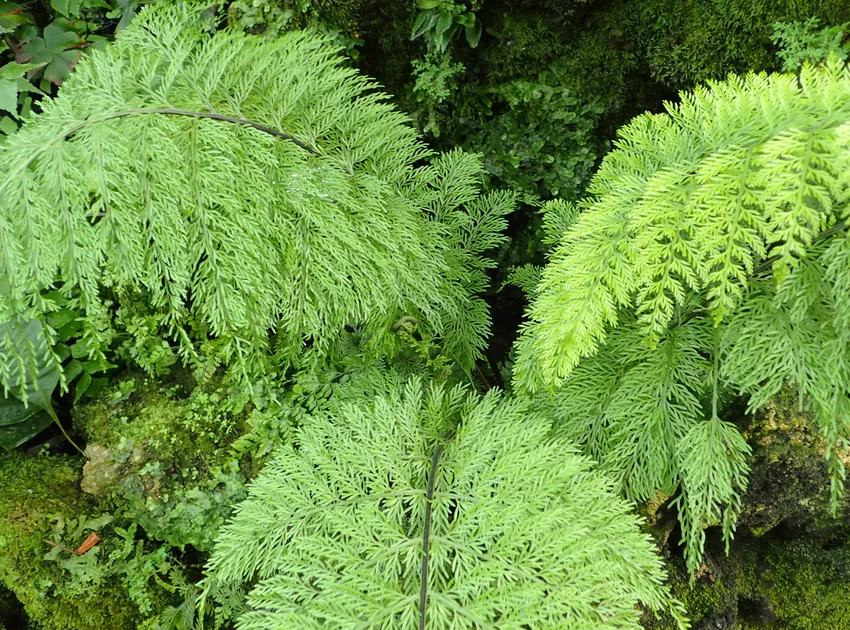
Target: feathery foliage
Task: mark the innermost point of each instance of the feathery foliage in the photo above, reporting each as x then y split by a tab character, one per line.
432	508
710	259
256	194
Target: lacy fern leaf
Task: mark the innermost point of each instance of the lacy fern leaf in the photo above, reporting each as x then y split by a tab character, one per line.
432	508
690	202
710	259
253	191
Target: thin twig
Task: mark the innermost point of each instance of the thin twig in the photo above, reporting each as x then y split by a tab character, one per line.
483	378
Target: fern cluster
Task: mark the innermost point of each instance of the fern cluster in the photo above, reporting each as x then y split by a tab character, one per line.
256	194
429	507
711	258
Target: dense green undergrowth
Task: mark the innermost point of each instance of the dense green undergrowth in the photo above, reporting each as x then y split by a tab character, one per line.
274	307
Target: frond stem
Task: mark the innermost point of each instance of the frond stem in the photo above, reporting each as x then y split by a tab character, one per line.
426	535
24	164
194	114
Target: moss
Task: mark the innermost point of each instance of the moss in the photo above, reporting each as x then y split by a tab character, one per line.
795	585
686	42
162	455
34	490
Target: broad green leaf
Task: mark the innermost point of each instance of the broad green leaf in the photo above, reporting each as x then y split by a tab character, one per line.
61	6
59	35
73	370
40	371
59	69
13	435
11	17
82	385
8	96
465	19
424	23
61	317
25	86
473	33
80	349
97	384
13	411
16	70
445	37
69	330
62	351
443	24
8	125
425	5
35	52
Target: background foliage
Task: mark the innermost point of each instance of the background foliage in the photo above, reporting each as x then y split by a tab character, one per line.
538	88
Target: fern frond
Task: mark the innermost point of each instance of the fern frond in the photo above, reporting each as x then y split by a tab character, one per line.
713	469
249	189
431	508
690	202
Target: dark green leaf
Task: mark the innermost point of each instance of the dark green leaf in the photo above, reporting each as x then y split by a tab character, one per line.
59	35
473	33
70	330
73	370
62	351
41	371
95	366
35	52
61	317
59	69
80	349
56	297
82	385
14	435
13	411
97	384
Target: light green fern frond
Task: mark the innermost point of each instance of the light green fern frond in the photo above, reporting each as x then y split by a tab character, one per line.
713	469
248	189
432	508
690	202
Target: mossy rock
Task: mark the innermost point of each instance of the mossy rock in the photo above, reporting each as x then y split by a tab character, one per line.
790	482
35	489
795	585
789	565
160	452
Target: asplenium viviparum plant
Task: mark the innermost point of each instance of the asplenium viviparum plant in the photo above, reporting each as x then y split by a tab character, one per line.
710	259
257	194
428	507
